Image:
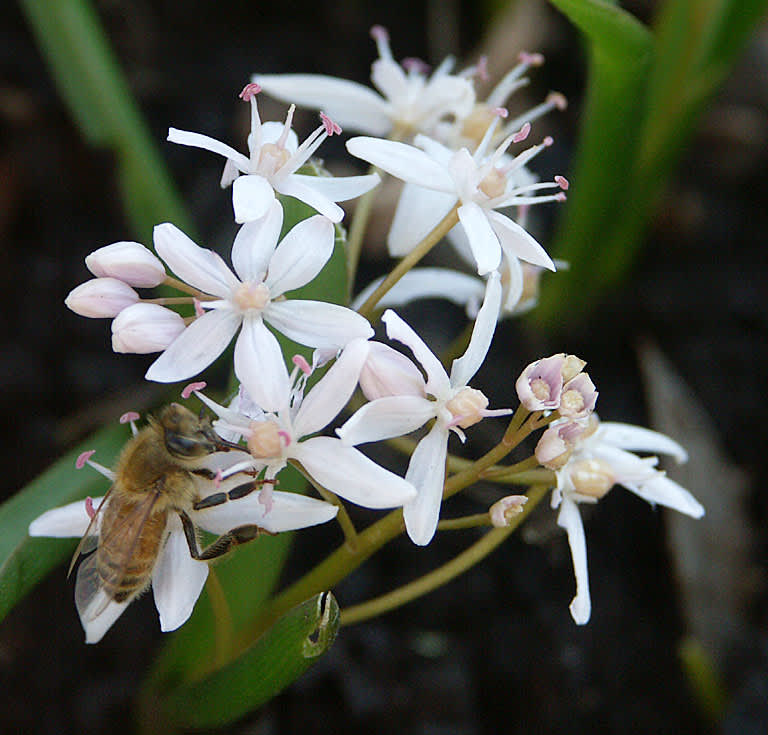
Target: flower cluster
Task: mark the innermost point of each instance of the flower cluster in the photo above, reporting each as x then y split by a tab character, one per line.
452	151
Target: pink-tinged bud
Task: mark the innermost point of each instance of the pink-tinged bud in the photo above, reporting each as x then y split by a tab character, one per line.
503	511
578	397
592	477
387	372
144	328
467	407
101	298
572	367
540	384
127	261
553	450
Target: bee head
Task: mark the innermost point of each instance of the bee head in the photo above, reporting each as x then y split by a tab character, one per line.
187	436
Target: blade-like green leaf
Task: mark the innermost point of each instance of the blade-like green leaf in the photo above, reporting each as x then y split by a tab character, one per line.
24	561
278	658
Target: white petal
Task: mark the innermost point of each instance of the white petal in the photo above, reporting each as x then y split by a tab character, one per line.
418	212
482	239
95	628
301	255
426	471
255	244
252	196
660	490
197	140
260	367
514	283
196	347
516	241
302	188
569	518
390	79
438	383
64	522
350	474
128	261
289	512
339	188
402	161
627	436
317	323
385	418
194	265
177	580
332	392
348	103
465	367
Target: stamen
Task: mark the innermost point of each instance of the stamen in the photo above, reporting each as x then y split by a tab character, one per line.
331	128
379	33
548	141
501	112
198	308
129	416
89	509
265	498
300	362
249	91
415	65
286	127
522	134
532	59
562	182
193	388
82	460
557	100
482	69
285	436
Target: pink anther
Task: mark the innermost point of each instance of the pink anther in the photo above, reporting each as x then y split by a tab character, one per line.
560	197
562	182
300	362
198	308
331	128
129	416
548	141
82	460
501	112
89	509
249	91
558	100
219	477
285	436
535	59
191	388
379	33
415	65
522	134
482	69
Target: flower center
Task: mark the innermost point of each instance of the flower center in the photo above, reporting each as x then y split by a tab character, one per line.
494	184
477	122
571	403
272	158
251	296
592	477
540	389
467	407
265	440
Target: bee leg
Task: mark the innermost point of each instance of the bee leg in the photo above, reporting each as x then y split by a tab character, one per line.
235	494
223	544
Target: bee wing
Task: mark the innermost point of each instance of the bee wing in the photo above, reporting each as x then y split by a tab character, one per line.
91	535
93	580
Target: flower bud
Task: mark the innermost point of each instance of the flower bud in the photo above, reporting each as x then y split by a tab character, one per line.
540	384
127	261
387	372
101	298
578	397
553	450
503	511
144	328
572	367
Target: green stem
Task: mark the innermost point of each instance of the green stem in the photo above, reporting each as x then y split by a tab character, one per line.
410	260
357	231
459	524
440	576
186	288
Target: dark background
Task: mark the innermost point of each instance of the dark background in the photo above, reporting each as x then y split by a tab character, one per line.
496	651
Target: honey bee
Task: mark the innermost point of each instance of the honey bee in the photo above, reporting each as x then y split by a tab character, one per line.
154	478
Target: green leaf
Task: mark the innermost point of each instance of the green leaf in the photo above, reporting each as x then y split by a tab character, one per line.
24	561
277	659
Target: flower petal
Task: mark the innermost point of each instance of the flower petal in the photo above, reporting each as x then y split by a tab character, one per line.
350	474
177	580
438	383
332	392
194	265
96	627
418	212
385	418
637	438
569	518
252	196
301	255
289	512
259	365
517	242
317	323
196	347
70	520
197	140
660	490
426	471
482	239
302	188
255	244
339	188
465	367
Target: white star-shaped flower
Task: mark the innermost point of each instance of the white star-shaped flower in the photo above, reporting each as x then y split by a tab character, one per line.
252	295
274	157
178	579
453	405
411	101
598	461
273	438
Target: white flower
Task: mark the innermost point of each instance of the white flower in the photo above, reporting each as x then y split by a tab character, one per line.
597	462
177	578
476	182
410	100
145	328
274	157
101	298
129	262
274	438
454	405
264	271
